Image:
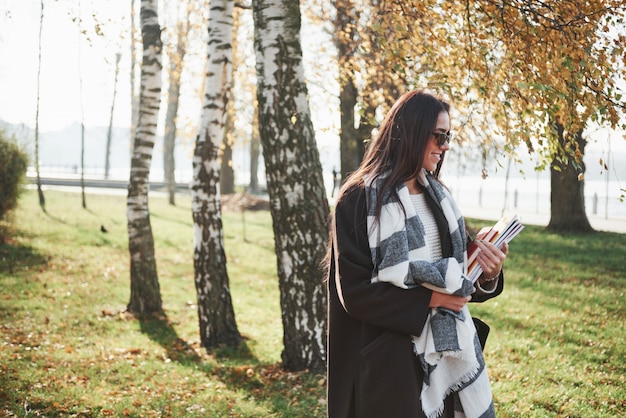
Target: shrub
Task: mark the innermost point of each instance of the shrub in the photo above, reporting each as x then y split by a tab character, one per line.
13	165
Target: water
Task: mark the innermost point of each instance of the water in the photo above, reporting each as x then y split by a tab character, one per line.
533	195
529	194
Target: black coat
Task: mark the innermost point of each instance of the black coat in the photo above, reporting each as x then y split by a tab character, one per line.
372	369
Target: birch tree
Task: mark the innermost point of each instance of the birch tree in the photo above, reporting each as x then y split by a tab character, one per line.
176	53
134	102
82	112
145	296
227	173
107	153
294	177
215	309
42	200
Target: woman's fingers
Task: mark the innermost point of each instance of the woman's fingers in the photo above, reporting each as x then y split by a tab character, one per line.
491	257
442	300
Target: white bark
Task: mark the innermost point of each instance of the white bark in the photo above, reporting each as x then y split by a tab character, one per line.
215	311
145	293
295	184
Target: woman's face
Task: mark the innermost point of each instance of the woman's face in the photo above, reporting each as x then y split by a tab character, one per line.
433	152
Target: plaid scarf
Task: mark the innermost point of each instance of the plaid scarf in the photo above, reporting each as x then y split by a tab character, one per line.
448	347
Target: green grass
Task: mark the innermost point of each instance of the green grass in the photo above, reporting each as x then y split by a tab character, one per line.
69	349
557	341
556	347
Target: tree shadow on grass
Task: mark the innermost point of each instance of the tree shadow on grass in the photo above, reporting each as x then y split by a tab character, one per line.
161	330
186	221
293	393
15	256
55	218
240	370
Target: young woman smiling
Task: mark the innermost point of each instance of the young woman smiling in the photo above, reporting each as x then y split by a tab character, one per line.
401	340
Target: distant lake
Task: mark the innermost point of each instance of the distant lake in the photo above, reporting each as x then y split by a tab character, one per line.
524	194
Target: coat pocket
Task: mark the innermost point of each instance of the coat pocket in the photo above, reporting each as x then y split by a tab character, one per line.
389	380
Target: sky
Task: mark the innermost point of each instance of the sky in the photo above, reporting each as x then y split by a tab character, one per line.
63	48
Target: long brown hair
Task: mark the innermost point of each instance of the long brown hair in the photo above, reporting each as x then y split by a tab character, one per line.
399	148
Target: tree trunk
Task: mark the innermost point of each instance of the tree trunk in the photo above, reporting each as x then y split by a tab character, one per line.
215	309
134	101
42	200
82	162
351	141
107	154
173	95
227	177
227	171
567	194
145	296
255	153
381	77
294	176
82	116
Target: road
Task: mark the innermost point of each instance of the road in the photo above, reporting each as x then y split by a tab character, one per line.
102	183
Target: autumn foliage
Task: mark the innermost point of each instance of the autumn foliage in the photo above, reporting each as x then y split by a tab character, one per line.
511	68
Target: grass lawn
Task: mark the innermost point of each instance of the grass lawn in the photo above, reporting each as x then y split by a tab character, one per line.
68	348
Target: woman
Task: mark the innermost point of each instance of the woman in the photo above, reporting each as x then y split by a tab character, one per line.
401	342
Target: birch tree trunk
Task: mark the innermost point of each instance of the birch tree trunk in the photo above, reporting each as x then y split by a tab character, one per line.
215	310
295	185
82	115
173	96
227	172
134	103
145	296
42	200
107	153
255	153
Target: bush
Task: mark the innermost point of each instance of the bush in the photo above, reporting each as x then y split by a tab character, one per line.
13	165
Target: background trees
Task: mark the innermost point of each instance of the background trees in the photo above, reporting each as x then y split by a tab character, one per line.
13	164
107	152
523	76
42	200
520	72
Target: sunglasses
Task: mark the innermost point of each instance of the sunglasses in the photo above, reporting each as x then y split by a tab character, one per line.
442	138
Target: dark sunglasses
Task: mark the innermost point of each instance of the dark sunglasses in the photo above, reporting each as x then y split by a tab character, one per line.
442	138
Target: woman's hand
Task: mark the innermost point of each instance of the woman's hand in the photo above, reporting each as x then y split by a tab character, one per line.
454	303
491	257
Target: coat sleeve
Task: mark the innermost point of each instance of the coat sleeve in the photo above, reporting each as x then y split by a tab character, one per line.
380	304
480	297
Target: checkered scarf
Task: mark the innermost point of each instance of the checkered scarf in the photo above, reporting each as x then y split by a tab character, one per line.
448	347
